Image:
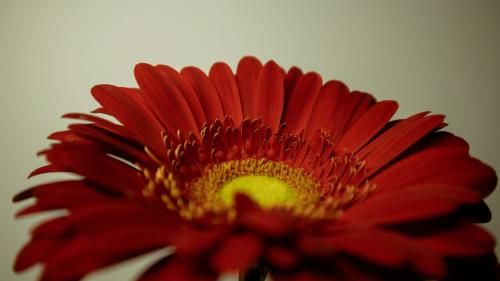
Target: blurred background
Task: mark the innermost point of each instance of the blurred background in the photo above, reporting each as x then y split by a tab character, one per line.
442	56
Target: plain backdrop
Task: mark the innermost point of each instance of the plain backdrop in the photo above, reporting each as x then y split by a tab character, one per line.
442	56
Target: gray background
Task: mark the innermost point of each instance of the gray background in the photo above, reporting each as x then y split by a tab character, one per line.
442	56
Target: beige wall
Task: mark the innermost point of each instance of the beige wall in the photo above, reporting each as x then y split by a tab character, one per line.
442	56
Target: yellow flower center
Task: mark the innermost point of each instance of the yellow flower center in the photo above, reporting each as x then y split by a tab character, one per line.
266	191
268	183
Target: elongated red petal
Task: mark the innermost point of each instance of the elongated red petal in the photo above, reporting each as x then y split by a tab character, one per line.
97	167
271	95
362	102
347	112
60	232
289	83
397	139
51	168
465	240
384	248
207	94
63	194
227	88
35	252
84	254
187	92
142	124
326	106
112	144
438	166
192	242
113	213
440	139
247	77
164	99
367	126
411	203
302	102
104	124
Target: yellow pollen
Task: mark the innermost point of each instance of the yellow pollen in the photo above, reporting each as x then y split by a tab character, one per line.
269	183
266	191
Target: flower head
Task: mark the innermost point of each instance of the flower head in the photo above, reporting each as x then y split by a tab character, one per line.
259	171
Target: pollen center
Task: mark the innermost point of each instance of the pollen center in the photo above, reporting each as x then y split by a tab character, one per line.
268	183
266	191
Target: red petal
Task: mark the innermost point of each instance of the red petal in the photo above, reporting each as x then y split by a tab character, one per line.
326	106
68	136
72	137
237	253
266	222
271	95
165	99
113	144
302	102
367	126
96	166
383	248
225	83
111	214
362	102
478	213
467	239
130	110
411	203
440	139
84	254
281	257
245	203
450	165
34	252
355	271
347	112
247	76
397	139
74	235
191	242
101	123
63	194
46	169
289	83
207	94
187	91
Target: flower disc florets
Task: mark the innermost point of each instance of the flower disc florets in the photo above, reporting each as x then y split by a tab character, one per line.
276	169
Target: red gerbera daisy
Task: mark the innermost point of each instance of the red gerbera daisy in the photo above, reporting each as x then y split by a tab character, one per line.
262	172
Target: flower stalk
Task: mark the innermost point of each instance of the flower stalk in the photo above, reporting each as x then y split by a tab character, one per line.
255	273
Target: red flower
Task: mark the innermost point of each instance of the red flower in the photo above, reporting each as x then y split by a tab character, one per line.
260	171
